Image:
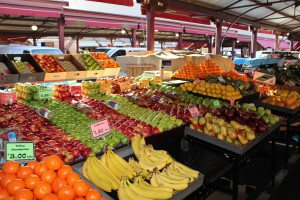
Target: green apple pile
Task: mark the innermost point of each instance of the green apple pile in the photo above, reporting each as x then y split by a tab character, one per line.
90	88
77	124
90	63
27	91
23	67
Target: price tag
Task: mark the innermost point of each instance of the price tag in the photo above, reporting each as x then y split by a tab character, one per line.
194	112
45	93
145	82
75	89
221	79
19	151
100	128
8	97
157	79
232	102
124	86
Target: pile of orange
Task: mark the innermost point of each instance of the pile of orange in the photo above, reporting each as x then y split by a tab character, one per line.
236	75
188	71
49	179
105	60
208	67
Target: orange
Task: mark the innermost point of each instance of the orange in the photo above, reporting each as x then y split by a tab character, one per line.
50	196
1	173
3	194
31	164
48	176
81	188
72	177
24	172
6	179
64	170
79	198
10	167
24	194
10	198
58	183
104	198
53	162
14	186
40	168
42	189
66	193
31	181
93	194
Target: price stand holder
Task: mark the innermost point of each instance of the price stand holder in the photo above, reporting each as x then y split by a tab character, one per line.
232	102
75	90
45	93
194	112
19	151
8	97
100	128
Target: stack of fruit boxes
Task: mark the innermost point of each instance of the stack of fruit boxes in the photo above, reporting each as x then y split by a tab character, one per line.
91	72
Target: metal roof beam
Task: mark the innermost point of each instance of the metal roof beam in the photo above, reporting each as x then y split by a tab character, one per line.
256	4
281	17
274	12
179	5
230	5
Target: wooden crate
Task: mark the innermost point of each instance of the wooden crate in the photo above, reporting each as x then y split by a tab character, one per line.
73	67
137	70
5	64
90	73
111	71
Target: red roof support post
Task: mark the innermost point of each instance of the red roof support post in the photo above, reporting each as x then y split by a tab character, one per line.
210	44
276	42
253	41
218	37
133	37
34	41
61	33
150	15
233	48
77	44
180	41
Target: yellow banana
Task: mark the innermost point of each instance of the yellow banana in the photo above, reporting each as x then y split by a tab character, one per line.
103	159
186	169
176	174
122	162
118	170
156	152
133	194
104	185
122	195
142	183
137	168
153	181
136	145
172	180
175	186
84	169
175	178
151	166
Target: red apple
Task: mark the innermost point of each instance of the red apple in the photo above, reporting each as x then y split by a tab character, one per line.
41	157
57	146
51	142
45	148
80	146
40	143
75	142
37	152
51	151
69	146
76	152
85	151
69	158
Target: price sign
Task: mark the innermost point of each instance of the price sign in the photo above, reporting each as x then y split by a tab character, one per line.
157	79
105	87
194	112
100	128
75	89
232	102
45	93
145	82
221	79
8	97
19	151
124	86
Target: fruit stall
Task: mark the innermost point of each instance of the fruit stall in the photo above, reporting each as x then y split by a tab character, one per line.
123	137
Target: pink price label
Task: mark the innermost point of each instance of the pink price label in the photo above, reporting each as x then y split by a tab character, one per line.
8	97
232	101
75	89
100	128
194	112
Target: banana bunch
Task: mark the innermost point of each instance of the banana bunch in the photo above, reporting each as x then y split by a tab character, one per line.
139	170
117	165
179	169
137	144
95	171
161	179
142	190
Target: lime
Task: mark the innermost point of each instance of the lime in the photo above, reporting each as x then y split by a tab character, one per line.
125	140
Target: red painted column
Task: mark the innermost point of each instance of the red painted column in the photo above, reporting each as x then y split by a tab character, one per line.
233	48
150	28
218	37
210	44
276	42
180	41
61	33
133	39
291	45
253	43
34	41
77	44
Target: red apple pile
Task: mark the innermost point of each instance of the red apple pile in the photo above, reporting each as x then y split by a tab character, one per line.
48	63
48	139
61	91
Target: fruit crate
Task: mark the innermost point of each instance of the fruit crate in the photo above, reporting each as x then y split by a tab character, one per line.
73	67
89	73
127	152
50	76
277	109
239	150
28	76
137	70
112	68
5	64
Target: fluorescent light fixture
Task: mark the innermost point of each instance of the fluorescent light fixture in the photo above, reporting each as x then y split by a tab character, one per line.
123	31
177	34
237	41
156	30
34	27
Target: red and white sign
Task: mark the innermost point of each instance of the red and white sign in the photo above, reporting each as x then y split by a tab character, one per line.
75	89
8	97
100	128
194	112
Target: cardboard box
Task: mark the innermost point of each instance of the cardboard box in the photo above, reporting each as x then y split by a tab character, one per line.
39	75
73	67
8	78
111	71
89	73
264	78
136	70
107	61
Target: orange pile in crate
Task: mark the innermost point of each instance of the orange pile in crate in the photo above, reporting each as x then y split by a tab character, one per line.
209	68
101	56
48	179
235	75
105	60
188	71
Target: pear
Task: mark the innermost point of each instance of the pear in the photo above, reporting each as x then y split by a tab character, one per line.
243	140
222	122
228	139
236	142
224	131
209	126
231	132
202	120
208	115
235	125
220	136
206	131
250	135
216	128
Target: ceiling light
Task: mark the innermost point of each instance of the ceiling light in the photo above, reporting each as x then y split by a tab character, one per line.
156	30
288	34
34	27
123	31
177	34
237	41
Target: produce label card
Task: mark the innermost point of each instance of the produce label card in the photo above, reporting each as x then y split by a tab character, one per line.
8	97
75	89
45	93
105	87
19	151
124	86
100	128
194	112
232	102
145	82
157	79
264	78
